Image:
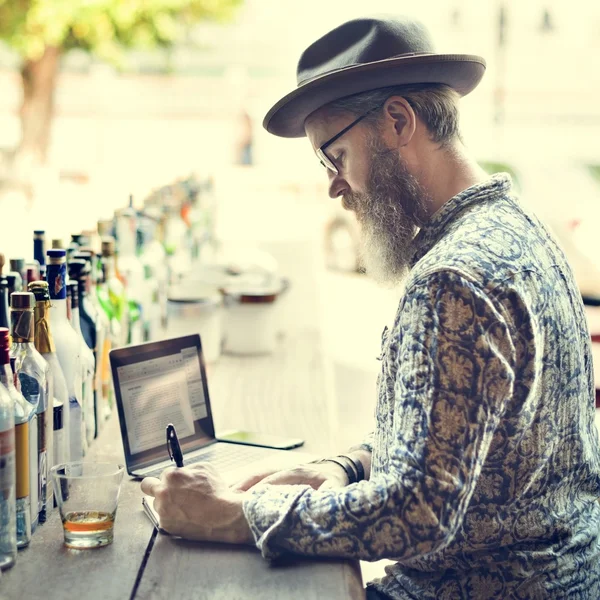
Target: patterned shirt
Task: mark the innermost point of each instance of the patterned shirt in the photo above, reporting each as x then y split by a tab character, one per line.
485	461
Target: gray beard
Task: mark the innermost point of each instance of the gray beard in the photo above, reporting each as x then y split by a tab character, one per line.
389	213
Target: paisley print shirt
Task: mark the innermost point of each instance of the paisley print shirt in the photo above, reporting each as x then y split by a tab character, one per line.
485	458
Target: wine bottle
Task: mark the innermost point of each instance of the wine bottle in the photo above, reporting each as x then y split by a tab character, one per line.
23	412
32	373
68	350
4	310
58	391
79	271
87	365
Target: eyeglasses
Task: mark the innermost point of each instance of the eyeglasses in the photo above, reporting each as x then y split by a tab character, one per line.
326	161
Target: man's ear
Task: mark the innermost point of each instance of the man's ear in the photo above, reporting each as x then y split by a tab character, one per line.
399	121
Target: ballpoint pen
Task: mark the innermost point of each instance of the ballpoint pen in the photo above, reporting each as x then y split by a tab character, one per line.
173	446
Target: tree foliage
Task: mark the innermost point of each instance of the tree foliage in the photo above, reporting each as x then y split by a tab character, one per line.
102	27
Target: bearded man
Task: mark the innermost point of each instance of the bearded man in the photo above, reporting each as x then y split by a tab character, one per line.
482	476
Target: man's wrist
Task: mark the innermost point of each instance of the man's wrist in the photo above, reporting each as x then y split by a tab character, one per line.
238	531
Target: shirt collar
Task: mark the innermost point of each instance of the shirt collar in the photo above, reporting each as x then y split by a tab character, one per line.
431	232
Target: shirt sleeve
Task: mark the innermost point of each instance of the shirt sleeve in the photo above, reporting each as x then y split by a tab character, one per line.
453	364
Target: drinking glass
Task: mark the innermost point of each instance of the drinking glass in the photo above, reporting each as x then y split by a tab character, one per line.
87	494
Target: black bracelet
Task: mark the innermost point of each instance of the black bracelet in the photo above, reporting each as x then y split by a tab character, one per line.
344	465
349	465
360	470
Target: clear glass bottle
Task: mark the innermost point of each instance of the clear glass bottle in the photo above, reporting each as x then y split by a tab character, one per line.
8	498
91	328
23	412
58	391
68	350
32	372
88	364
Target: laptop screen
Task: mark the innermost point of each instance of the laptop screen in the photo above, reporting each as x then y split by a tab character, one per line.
156	384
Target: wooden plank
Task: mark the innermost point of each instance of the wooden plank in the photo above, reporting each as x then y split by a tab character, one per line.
193	571
47	569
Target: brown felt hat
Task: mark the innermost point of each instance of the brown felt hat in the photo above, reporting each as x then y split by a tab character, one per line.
366	54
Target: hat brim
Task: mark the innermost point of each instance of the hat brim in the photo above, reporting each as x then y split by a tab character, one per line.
461	72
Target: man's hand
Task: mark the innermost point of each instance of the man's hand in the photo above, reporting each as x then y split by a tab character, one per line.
195	503
318	476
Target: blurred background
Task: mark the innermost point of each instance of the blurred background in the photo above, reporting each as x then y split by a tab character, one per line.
107	99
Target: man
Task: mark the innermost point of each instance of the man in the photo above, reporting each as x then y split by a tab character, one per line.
482	477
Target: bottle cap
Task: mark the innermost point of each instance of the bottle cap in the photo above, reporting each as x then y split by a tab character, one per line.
56	256
22	301
40	290
57	243
39	234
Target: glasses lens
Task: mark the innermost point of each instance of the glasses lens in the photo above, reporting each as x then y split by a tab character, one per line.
326	161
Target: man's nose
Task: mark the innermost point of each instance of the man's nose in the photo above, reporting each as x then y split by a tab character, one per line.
337	185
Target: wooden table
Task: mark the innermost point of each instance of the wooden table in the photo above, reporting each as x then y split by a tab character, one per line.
282	394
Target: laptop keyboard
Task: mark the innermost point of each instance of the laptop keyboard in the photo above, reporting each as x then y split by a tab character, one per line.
223	457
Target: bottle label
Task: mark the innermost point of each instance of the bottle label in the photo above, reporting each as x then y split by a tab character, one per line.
22	459
56	275
8	508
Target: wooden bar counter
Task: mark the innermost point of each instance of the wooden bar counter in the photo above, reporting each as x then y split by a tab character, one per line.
284	394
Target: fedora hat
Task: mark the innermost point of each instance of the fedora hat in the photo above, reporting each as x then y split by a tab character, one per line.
367	54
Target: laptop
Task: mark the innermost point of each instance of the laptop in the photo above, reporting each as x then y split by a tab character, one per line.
165	382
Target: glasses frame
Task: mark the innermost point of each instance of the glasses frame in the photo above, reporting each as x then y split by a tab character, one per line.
328	162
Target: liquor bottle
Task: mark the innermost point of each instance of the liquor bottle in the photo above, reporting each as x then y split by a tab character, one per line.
68	350
88	364
8	498
32	373
4	311
80	271
23	414
132	274
116	291
58	391
39	250
113	332
15	282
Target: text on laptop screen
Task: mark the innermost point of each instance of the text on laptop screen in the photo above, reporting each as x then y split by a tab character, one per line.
158	391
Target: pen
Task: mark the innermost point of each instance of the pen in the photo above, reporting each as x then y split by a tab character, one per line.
173	446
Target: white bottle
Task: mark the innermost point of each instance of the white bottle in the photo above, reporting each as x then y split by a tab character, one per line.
68	351
88	365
